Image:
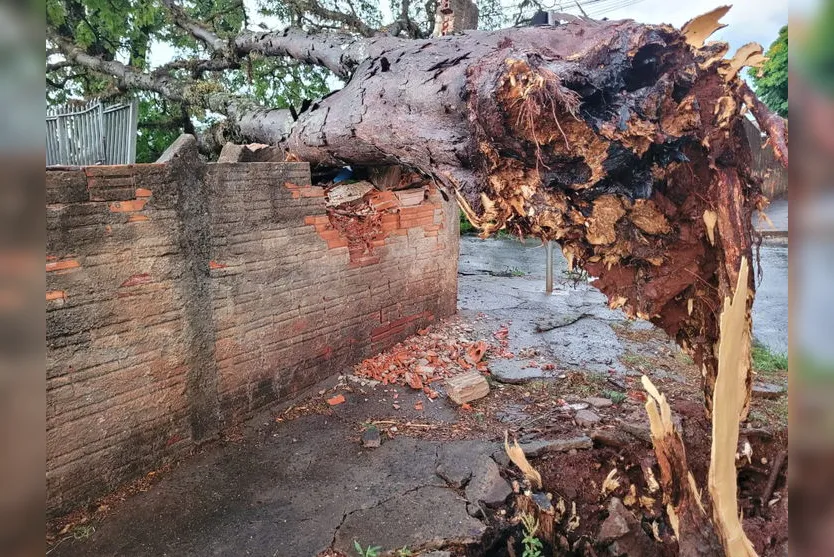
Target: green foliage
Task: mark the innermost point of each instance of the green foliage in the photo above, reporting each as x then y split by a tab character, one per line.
128	31
815	58
465	226
370	551
764	360
157	128
404	552
616	397
771	81
532	545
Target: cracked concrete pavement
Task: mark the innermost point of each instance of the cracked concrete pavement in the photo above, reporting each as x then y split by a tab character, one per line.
292	489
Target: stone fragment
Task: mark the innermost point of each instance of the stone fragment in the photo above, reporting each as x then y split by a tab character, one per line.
544	446
515	372
371	437
586	418
467	387
767	390
542	501
623	534
455	460
486	484
426	517
611	438
599	402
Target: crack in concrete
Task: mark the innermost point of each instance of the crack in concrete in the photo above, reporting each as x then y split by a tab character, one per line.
377	504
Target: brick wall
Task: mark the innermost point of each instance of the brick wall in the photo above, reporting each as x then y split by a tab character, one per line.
182	297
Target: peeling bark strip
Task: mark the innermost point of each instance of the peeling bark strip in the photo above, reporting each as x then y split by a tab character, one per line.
623	142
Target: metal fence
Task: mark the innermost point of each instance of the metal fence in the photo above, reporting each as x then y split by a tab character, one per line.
91	134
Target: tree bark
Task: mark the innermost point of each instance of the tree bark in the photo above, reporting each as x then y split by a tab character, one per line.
621	141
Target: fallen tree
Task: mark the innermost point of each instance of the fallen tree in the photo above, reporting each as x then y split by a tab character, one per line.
621	141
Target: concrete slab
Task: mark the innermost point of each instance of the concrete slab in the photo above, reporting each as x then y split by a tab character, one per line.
438	513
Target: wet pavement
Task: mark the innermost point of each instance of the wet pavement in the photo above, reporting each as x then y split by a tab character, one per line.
770	308
297	487
506	278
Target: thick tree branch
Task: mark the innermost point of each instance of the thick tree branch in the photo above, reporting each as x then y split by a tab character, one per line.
771	123
248	118
350	21
203	34
128	76
341	53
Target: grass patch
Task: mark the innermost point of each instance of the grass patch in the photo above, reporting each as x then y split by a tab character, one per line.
634	360
767	361
586	384
683	358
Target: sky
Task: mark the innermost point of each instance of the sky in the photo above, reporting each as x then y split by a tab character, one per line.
748	21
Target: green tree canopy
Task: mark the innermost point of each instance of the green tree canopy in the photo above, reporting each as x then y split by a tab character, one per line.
127	31
771	82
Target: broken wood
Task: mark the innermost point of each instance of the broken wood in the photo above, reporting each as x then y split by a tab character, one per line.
730	399
613	138
467	387
778	462
623	142
692	524
687	515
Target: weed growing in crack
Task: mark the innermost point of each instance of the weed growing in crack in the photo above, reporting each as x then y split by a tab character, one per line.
370	551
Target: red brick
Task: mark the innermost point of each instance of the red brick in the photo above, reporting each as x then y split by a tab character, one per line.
62	265
337	243
316	219
364	261
215	265
312	191
138	218
128	206
329	234
56	295
143	192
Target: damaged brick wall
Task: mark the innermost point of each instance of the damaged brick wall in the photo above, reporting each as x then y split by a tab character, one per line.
182	297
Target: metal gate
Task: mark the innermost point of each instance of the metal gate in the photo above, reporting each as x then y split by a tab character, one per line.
91	134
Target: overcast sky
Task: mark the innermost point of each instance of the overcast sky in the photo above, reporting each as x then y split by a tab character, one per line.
749	20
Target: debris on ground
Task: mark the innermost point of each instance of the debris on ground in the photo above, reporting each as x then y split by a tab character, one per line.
586	418
338	399
432	356
544	446
487	486
371	437
467	387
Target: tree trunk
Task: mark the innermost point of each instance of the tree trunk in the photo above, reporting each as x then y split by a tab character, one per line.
623	142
